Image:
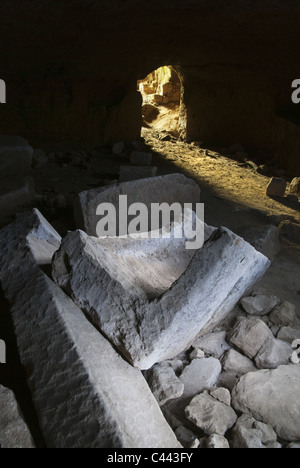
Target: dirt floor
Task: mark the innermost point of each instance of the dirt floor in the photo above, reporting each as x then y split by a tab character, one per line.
233	192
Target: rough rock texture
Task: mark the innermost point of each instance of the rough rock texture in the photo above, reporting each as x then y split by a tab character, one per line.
247	438
256	340
272	396
163	189
213	344
201	374
145	330
164	383
84	393
289	334
210	415
265	239
221	394
260	304
284	315
234	362
216	441
14	432
295	187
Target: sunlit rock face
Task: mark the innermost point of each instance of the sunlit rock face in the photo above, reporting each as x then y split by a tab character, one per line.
237	61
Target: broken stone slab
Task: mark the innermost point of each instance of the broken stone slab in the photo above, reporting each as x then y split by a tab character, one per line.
168	189
164	383
139	158
14	193
139	321
200	375
84	393
254	338
284	315
259	304
128	173
272	397
234	362
276	187
14	432
265	239
213	344
210	415
15	156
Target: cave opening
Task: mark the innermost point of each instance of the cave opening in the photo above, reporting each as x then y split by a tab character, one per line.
162	92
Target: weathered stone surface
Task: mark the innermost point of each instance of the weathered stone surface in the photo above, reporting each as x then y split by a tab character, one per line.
163	189
260	304
234	362
139	158
284	315
294	445
276	187
14	432
164	383
289	334
210	415
213	344
249	335
15	192
144	329
247	438
201	374
197	354
272	396
268	434
221	394
273	353
15	156
265	239
216	441
76	378
295	187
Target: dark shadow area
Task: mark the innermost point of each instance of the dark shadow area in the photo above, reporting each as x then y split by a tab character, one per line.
13	374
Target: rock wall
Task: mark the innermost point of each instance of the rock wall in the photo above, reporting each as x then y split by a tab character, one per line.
71	70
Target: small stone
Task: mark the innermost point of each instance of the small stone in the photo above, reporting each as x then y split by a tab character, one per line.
213	344
210	415
39	158
197	354
247	438
289	334
216	441
201	374
295	187
221	394
276	187
164	384
265	239
260	304
227	380
273	353
185	436
235	362
269	436
294	445
249	335
284	315
273	445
